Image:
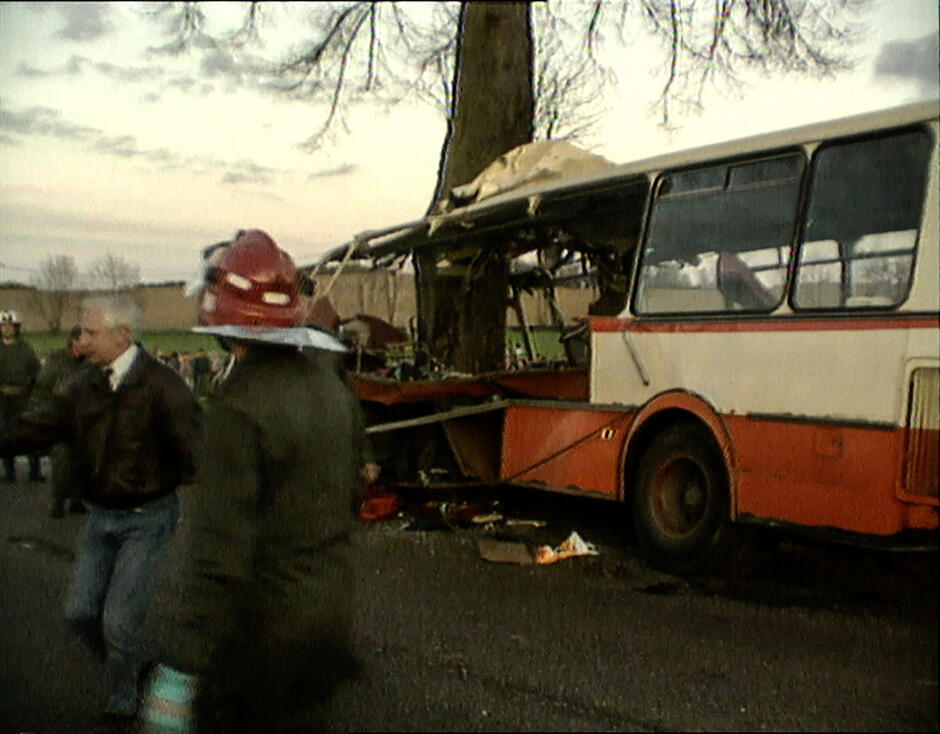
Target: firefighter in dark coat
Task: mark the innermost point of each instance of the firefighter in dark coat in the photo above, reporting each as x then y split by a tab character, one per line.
260	612
19	368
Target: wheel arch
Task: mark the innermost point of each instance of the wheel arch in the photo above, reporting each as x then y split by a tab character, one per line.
665	410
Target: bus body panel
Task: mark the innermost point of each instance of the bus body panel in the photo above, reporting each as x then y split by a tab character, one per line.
562	447
816	442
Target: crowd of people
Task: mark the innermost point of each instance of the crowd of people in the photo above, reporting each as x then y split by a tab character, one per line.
256	629
200	370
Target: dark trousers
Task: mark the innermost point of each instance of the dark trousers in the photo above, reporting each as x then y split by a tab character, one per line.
64	486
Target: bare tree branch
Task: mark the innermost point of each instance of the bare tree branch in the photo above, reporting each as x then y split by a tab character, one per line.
114	272
54	283
408	51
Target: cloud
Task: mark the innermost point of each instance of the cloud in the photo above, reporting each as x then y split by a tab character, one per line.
43	121
130	74
219	62
47	122
84	22
80	64
343	170
913	60
248	172
27	70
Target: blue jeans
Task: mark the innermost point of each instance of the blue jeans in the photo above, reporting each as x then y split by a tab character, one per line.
119	557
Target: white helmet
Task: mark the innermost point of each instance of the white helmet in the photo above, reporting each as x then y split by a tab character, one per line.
9	317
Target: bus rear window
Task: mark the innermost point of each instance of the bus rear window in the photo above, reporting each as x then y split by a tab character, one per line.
863	215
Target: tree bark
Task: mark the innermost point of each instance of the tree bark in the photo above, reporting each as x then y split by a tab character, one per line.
462	312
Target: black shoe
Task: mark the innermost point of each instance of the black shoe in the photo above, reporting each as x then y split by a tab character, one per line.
58	509
77	507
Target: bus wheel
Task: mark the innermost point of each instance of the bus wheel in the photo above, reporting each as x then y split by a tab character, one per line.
680	502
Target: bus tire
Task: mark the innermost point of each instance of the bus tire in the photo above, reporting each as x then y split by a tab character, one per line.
680	502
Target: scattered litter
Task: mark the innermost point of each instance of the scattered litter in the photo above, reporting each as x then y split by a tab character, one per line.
483	519
379	504
509	551
436	515
574	545
531	523
505	551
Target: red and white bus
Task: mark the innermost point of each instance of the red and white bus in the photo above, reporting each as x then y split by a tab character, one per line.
765	348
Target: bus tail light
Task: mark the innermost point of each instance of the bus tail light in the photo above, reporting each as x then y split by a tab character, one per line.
923	427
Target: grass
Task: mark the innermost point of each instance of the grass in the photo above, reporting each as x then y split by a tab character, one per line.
153	341
545	338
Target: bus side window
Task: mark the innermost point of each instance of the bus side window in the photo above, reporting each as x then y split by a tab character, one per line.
862	219
719	238
819	282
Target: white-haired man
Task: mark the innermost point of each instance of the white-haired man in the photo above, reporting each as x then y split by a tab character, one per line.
132	426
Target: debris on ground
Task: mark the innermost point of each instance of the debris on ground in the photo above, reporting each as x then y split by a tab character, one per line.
530	523
378	503
574	545
505	551
437	515
511	551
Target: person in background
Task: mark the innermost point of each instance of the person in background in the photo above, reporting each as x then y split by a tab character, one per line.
19	369
258	624
59	369
336	361
132	426
202	373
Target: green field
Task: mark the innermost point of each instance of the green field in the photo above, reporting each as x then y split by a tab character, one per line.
153	341
545	338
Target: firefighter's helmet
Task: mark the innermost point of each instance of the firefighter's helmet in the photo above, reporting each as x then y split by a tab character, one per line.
253	283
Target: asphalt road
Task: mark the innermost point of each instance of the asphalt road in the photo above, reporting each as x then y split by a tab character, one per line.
814	638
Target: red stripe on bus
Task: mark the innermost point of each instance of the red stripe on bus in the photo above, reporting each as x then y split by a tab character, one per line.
613	324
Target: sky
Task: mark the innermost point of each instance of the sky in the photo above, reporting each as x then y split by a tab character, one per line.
107	146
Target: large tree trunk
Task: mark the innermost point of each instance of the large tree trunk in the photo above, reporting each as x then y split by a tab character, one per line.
462	312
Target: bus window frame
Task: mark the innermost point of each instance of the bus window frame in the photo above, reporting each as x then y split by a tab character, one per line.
798	152
844	260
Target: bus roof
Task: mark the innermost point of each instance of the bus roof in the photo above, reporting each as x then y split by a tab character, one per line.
405	236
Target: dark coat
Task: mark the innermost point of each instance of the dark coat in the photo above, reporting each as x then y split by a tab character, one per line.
129	446
263	603
59	369
19	367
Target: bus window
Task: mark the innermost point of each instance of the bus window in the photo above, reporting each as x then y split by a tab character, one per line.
820	282
719	238
862	222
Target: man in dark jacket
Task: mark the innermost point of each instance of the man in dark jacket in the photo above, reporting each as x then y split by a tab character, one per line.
132	426
59	369
262	607
19	368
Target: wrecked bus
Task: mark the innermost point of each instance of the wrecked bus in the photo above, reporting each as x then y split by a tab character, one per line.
764	348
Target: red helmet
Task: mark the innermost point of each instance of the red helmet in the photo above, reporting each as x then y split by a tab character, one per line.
252	283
